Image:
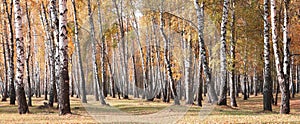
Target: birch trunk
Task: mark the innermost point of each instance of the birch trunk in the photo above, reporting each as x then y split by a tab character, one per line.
6	57
237	80
53	50
103	48
136	29
158	59
149	86
188	74
95	69
200	87
135	89
112	80
45	82
292	84
297	79
12	92
76	77
22	105
28	55
111	73
249	86
287	63
223	88
35	70
167	58
255	83
123	46
245	86
79	60
63	99
207	72
49	56
281	72
232	55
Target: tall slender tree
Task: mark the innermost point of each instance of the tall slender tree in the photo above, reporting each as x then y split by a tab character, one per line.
6	57
285	93
53	51
285	105
203	54
64	99
188	72
12	92
103	47
22	105
167	57
94	63
124	63
136	30
267	88
28	53
222	98
48	46
79	59
232	55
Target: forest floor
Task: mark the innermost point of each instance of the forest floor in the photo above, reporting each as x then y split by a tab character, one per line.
137	111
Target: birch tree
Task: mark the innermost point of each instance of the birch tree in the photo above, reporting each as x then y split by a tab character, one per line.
136	30
222	98
22	105
12	92
53	65
285	93
188	72
79	59
123	46
267	88
6	57
200	19
64	99
285	105
200	87
28	53
167	57
49	55
232	55
103	47
94	63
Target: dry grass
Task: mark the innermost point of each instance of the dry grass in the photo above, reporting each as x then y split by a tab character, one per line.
248	111
9	113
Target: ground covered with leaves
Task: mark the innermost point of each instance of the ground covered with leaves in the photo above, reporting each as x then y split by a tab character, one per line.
248	111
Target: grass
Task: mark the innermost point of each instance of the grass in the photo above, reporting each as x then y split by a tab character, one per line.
137	110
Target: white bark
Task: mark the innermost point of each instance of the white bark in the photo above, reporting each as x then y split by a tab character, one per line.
94	63
64	99
232	54
6	57
284	107
188	72
267	86
222	98
167	58
103	48
52	51
11	68
200	18
79	61
22	105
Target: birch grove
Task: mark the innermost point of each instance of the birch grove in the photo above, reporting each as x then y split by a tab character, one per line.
57	53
